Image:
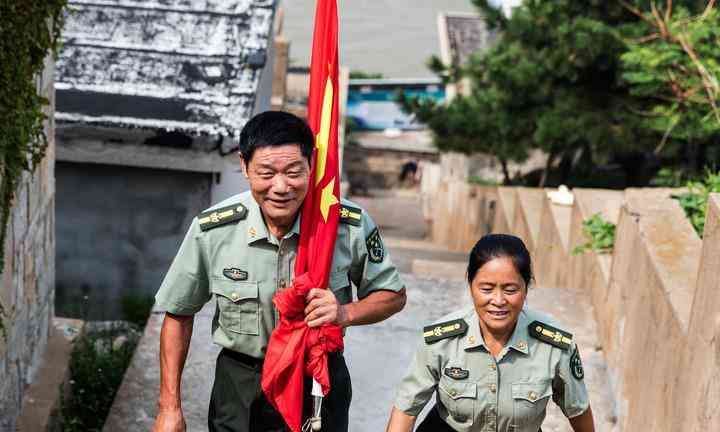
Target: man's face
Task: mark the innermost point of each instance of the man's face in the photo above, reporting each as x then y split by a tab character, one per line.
278	177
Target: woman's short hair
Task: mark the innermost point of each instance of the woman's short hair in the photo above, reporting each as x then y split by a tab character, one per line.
493	246
275	128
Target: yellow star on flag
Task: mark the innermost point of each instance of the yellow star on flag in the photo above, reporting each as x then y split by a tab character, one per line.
327	199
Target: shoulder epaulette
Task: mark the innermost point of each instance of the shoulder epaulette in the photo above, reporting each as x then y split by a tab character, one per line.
350	215
225	215
550	334
444	330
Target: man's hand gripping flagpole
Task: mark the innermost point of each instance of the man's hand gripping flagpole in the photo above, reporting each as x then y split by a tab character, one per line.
296	350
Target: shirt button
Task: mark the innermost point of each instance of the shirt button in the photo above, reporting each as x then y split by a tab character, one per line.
453	393
282	283
493	366
493	388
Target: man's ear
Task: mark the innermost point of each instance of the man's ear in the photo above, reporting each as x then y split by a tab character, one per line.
243	165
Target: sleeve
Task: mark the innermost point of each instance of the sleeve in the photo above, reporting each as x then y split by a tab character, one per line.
185	288
420	382
569	392
372	269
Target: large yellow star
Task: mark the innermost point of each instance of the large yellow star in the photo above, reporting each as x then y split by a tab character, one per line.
327	199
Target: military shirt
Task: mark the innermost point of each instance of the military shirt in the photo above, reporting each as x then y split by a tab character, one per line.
241	264
477	392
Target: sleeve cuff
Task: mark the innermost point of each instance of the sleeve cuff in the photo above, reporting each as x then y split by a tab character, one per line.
176	308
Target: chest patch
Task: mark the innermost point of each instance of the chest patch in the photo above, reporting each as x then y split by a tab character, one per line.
375	247
235	274
456	373
576	366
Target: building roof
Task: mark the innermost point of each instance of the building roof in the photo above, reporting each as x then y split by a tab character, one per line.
188	65
400	141
462	34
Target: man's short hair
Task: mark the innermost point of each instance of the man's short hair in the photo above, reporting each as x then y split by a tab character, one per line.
275	128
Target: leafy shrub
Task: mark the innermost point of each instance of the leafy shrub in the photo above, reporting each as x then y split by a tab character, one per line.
600	234
136	308
694	201
97	367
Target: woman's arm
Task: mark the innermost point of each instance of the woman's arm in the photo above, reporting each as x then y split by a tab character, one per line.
400	422
583	422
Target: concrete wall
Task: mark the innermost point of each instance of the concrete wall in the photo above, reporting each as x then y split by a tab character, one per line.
656	296
118	229
27	280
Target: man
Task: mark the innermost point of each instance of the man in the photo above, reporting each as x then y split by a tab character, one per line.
242	251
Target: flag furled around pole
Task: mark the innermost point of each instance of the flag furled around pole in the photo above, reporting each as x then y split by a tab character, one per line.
295	350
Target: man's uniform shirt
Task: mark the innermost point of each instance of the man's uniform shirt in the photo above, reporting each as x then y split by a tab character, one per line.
476	392
228	253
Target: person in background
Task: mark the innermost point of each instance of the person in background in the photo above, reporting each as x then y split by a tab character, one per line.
494	366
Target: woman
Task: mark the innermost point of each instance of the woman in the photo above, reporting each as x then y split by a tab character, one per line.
495	366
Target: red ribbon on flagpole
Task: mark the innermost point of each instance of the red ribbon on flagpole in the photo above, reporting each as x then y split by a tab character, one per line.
295	350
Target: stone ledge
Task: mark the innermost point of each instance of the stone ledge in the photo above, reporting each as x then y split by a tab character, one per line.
528	210
40	407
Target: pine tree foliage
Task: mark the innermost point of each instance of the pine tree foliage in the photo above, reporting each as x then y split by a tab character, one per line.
674	66
555	80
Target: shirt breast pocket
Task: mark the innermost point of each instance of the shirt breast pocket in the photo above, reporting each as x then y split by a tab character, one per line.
238	305
340	286
459	399
529	403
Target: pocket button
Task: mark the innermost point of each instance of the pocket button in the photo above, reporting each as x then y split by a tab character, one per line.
234	296
532	396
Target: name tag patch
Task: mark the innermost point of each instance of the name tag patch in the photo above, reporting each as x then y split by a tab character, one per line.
235	274
457	373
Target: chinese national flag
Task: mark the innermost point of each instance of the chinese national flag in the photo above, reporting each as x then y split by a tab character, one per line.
295	350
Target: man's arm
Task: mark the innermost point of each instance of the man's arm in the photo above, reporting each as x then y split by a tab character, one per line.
174	344
583	422
377	306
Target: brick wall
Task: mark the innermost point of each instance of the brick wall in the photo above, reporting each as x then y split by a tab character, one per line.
28	279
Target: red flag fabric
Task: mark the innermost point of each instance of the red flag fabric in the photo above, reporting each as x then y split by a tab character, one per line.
295	350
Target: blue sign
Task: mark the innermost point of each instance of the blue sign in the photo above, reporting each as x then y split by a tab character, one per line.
372	103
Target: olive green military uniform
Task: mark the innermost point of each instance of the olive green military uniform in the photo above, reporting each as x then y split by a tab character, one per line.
477	392
228	253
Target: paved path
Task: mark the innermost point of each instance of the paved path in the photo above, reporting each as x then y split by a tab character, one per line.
377	355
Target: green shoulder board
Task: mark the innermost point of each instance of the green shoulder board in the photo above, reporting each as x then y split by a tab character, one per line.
444	330
215	218
350	215
550	334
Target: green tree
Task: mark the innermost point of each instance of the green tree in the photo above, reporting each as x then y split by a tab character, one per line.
673	66
552	81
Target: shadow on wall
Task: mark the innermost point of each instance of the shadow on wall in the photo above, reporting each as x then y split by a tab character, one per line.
118	229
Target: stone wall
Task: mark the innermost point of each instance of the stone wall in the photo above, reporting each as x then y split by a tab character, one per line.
655	296
28	278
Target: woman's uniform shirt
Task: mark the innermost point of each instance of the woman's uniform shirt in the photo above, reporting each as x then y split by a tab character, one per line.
476	392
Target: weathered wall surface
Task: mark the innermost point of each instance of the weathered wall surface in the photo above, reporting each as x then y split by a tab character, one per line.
28	278
118	229
655	296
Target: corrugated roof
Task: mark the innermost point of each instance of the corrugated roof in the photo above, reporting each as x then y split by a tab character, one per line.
190	65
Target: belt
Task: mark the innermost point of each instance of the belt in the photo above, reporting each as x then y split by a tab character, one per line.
253	362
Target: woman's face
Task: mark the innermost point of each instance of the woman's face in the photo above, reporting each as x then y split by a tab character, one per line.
498	292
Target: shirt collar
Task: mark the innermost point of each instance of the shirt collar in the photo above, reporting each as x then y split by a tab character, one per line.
256	228
518	341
